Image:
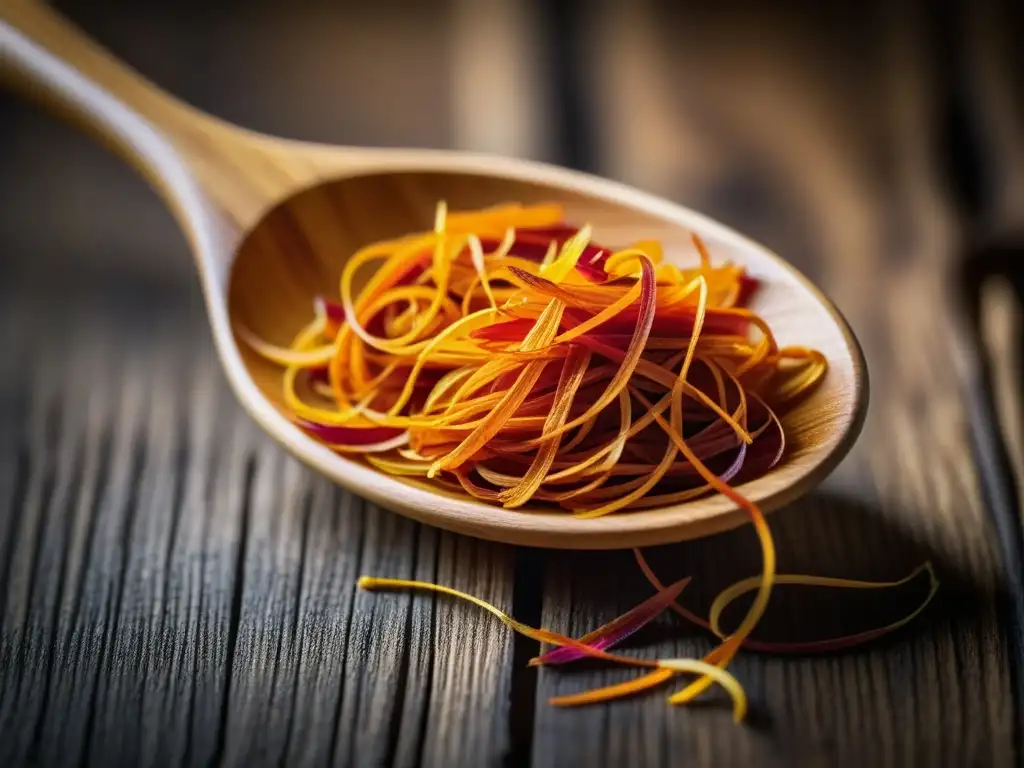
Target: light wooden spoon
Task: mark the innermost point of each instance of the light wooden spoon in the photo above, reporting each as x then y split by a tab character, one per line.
271	221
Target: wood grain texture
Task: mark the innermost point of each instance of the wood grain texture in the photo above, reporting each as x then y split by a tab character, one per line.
880	238
1001	118
1003	338
176	591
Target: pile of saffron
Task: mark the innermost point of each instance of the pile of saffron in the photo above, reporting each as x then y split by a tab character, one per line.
508	356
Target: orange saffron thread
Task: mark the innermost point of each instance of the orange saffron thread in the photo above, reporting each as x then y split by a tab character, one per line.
508	354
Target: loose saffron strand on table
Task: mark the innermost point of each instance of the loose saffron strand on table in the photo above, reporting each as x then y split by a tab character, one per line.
670	666
659	677
504	352
594	643
802	647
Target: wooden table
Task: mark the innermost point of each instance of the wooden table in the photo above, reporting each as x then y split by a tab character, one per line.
175	590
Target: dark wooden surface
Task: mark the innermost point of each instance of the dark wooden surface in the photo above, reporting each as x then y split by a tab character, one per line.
176	591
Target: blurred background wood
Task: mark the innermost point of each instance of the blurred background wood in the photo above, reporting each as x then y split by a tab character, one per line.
175	591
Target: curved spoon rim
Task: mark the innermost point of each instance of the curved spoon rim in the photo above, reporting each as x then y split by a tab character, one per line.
548	527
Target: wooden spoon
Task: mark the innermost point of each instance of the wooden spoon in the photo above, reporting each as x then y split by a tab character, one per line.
271	221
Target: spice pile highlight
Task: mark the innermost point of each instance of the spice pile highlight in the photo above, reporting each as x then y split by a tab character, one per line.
508	355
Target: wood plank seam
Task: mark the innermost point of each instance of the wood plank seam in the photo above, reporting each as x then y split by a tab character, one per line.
431	630
996	477
394	725
236	604
112	620
527	606
40	500
15	507
77	471
347	635
307	511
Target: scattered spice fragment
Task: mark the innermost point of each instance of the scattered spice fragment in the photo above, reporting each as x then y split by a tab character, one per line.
507	353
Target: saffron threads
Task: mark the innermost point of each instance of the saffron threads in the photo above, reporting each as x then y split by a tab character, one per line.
596	643
508	354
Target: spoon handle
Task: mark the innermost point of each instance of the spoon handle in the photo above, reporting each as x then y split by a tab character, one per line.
51	62
177	148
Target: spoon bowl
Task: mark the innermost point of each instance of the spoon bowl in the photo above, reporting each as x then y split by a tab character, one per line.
272	221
